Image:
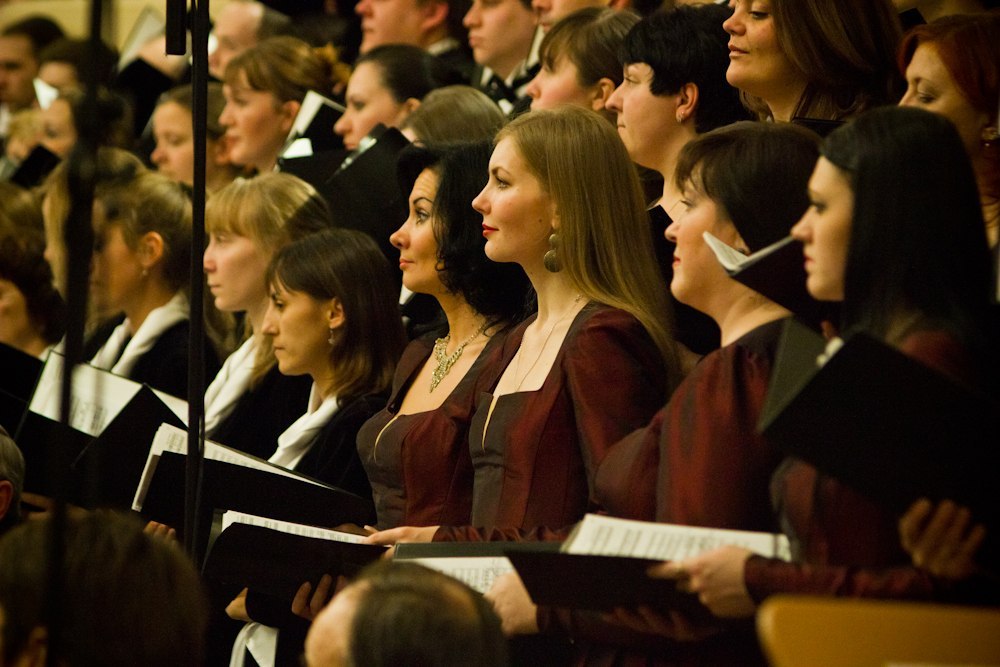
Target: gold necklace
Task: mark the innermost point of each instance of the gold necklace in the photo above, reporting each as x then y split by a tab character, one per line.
444	363
517	366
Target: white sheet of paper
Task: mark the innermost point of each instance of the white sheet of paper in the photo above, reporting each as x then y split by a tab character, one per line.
476	572
230	517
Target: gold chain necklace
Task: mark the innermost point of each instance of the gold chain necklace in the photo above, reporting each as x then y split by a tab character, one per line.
444	363
517	366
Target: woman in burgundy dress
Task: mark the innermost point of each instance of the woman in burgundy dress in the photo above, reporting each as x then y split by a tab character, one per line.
700	461
416	450
895	231
563	202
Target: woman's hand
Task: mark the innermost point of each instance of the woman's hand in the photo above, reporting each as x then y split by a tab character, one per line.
308	603
237	609
943	543
161	531
518	614
717	579
402	534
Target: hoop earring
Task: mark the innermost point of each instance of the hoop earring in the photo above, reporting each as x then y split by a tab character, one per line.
551	259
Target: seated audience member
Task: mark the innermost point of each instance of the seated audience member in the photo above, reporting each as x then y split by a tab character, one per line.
932	10
504	41
563	202
675	89
32	313
432	25
140	265
58	63
11	483
329	292
952	67
404	614
386	86
893	201
579	60
416	450
453	114
250	403
670	470
264	88
172	130
813	59
127	599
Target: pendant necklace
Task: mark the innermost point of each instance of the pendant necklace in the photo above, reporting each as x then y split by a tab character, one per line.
517	366
444	363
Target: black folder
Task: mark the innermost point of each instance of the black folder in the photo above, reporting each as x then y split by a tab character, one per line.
17	382
276	563
416	550
39	164
228	486
106	468
600	583
884	423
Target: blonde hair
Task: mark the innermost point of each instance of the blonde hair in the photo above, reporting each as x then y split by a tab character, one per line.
272	210
605	247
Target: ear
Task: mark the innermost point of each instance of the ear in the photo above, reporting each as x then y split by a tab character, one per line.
6	496
289	110
335	314
687	101
433	15
600	93
408	107
150	249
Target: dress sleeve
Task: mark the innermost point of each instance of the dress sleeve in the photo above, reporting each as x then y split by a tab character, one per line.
616	380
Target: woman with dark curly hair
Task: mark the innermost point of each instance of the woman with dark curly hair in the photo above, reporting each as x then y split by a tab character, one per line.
415	451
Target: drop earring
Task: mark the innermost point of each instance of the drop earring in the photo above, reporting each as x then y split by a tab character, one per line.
551	258
330	339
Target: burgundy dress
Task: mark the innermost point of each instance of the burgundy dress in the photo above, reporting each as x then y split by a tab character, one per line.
843	543
701	462
418	464
534	465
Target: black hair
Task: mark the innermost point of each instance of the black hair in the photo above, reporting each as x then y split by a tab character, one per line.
39	30
77	51
918	241
22	262
688	45
758	172
410	615
408	71
499	291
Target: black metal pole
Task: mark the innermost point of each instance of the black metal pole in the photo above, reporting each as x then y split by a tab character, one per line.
79	239
196	367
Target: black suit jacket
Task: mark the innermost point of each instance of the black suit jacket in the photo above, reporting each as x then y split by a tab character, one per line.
165	366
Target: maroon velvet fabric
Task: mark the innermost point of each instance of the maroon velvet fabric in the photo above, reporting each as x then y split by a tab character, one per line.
419	465
534	467
844	544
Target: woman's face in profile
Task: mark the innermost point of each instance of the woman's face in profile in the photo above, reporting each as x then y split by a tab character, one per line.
758	64
930	86
558	83
518	215
418	248
825	231
369	103
256	123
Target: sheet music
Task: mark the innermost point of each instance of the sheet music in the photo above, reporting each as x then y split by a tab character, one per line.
98	396
172	439
177	405
607	536
148	25
230	517
476	572
730	258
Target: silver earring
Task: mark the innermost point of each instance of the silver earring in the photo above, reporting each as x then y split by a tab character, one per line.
551	259
330	339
